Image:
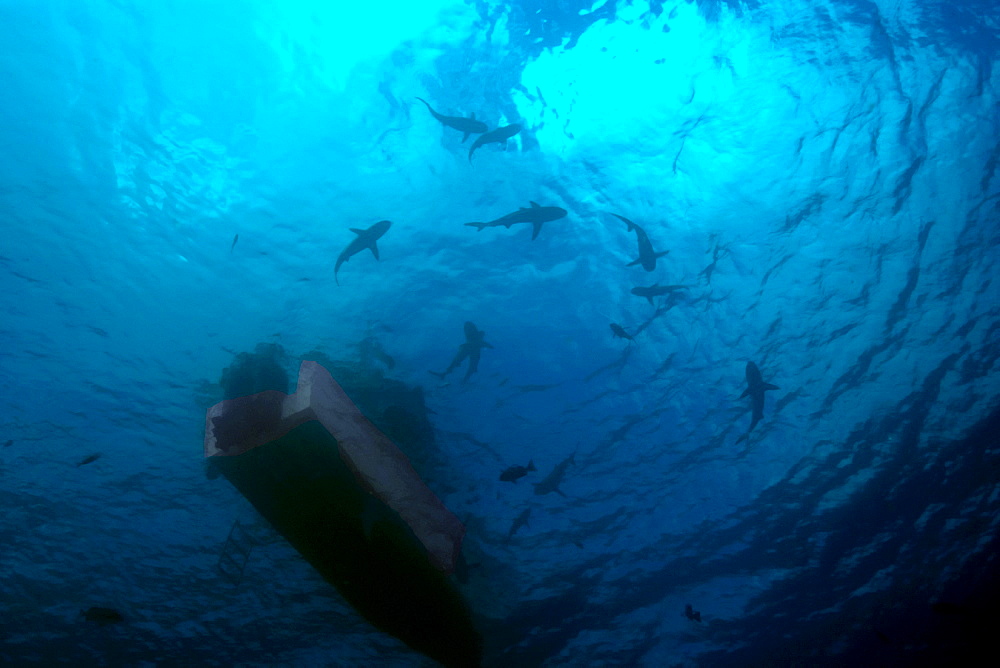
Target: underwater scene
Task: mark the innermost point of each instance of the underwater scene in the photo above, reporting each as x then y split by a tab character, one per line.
659	333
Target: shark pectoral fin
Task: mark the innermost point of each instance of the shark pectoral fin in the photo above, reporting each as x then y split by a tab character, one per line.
534	205
374	248
357	231
745	393
662	253
768	386
650	300
465	137
479	226
536	228
559	492
634	262
487	345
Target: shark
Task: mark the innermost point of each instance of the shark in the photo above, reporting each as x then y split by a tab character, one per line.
647	256
467	126
475	341
552	480
365	239
498	136
519	521
755	390
619	331
515	473
536	214
656	290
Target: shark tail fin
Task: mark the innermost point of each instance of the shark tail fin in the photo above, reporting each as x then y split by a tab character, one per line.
357	231
531	465
479	226
768	386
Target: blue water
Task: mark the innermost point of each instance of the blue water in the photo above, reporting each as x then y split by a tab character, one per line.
824	176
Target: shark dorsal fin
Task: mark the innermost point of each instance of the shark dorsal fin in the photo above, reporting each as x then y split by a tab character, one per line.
534	205
357	231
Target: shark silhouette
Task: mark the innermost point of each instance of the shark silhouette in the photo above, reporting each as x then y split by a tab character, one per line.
619	332
536	215
498	136
467	126
554	479
472	348
755	389
519	521
647	256
365	239
656	290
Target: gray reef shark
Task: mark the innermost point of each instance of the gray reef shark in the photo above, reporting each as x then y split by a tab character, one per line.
498	136
553	480
519	521
536	215
467	126
647	256
755	389
472	348
365	239
619	332
514	473
656	290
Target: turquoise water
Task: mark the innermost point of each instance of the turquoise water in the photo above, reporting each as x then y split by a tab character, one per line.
823	175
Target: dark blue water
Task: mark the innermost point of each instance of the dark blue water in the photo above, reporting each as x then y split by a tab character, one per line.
825	179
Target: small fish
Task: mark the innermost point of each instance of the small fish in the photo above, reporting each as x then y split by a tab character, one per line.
691	613
514	473
235	239
88	459
8	443
619	331
102	615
